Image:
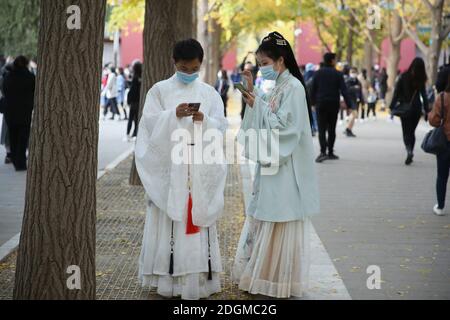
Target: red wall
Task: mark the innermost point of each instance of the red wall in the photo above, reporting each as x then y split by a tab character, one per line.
131	47
308	47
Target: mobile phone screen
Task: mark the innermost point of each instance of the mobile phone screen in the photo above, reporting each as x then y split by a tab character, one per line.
240	87
195	106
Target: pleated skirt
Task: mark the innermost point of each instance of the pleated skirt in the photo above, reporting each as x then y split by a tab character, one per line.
272	258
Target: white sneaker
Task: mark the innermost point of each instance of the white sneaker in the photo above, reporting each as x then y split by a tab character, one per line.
437	211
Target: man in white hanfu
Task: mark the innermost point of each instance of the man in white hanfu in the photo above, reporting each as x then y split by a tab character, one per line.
180	252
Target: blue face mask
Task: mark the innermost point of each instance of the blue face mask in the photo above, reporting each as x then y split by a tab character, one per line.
186	77
268	72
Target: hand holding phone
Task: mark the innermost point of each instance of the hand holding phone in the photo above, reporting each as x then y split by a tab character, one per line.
240	87
194	106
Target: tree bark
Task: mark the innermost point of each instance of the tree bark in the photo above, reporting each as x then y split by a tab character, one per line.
368	56
60	201
393	59
434	49
203	36
166	22
349	55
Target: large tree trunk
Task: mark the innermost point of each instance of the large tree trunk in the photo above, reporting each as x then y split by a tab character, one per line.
434	50
58	228
368	55
166	22
349	55
394	55
213	56
203	36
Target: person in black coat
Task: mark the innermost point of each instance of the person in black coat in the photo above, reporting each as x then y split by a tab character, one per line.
442	77
222	85
18	87
408	89
133	98
328	84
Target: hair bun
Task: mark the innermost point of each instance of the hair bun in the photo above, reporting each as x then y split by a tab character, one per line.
276	37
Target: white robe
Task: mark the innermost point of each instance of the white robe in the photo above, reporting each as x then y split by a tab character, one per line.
165	183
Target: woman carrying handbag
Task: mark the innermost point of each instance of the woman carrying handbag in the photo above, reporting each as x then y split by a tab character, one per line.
438	118
407	105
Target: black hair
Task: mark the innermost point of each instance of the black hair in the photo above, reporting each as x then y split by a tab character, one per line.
447	87
137	70
189	49
417	72
328	58
21	62
113	69
276	46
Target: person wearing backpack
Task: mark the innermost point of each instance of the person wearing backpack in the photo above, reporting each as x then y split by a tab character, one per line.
437	117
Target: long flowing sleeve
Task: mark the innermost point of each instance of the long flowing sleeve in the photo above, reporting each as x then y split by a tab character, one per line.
153	153
284	127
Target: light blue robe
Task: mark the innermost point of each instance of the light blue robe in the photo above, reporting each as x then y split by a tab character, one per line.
292	193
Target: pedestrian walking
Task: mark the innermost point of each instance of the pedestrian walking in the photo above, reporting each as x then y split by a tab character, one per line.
222	85
440	115
121	87
111	94
354	89
133	99
328	85
18	87
408	105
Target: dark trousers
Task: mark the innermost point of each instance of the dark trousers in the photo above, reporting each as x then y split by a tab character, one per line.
111	103
443	168
18	139
371	107
225	100
133	118
409	125
327	114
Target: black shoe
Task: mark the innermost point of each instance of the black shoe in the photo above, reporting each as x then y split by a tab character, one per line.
332	156
7	160
322	157
349	133
409	159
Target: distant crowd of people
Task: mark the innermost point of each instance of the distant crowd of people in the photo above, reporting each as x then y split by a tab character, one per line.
121	91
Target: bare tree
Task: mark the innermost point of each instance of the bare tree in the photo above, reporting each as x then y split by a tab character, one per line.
58	228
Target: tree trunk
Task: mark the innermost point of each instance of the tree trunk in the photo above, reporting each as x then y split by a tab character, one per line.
203	36
394	55
434	50
368	55
213	51
166	22
58	228
349	55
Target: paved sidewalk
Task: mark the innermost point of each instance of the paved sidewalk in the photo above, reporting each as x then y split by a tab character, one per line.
377	211
12	186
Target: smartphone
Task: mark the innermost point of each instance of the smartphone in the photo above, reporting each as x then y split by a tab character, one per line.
240	87
194	106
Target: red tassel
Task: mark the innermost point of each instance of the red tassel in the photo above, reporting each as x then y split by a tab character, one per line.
190	227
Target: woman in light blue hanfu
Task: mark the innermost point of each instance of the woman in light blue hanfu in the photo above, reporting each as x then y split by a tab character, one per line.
272	257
